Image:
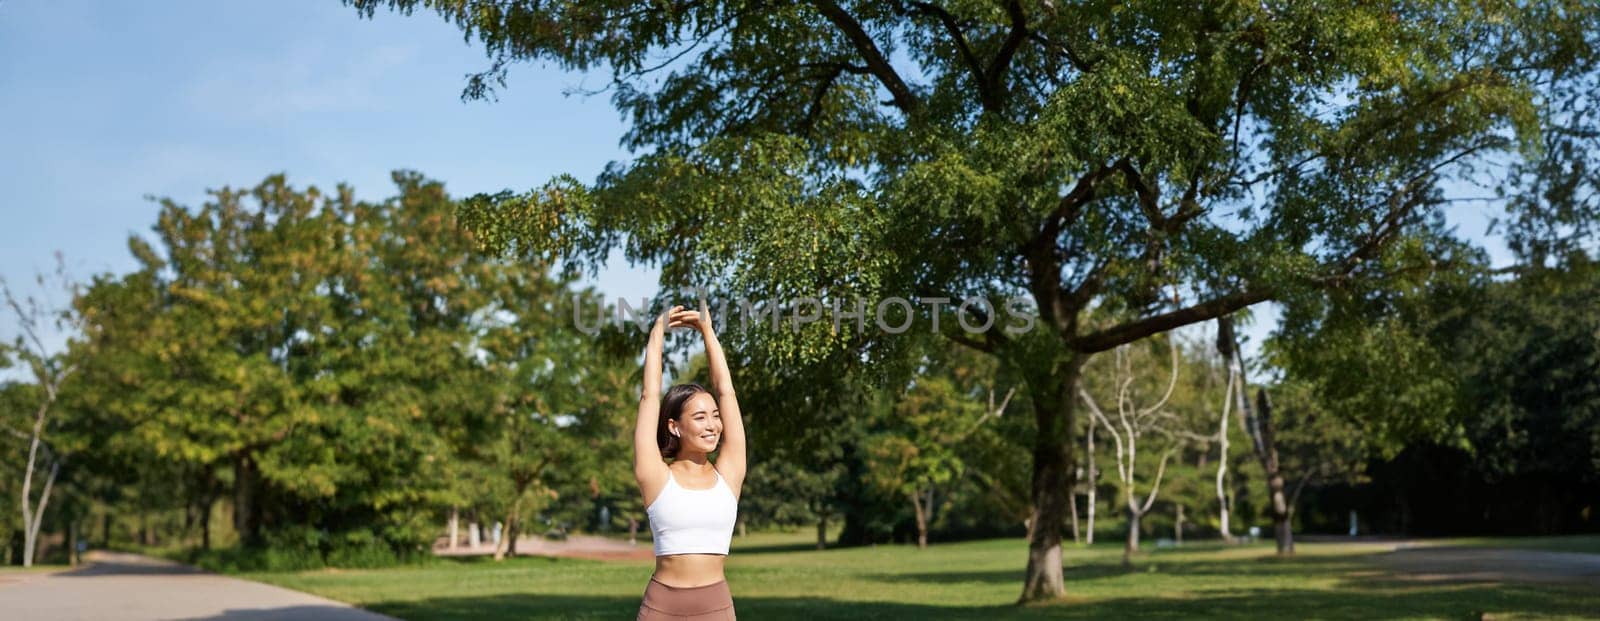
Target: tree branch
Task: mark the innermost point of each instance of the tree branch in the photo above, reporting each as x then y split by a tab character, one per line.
1155	487
834	70
1134	330
1043	255
880	67
1002	61
992	339
1149	195
974	66
1068	208
1171	384
1401	202
1094	408
1078	62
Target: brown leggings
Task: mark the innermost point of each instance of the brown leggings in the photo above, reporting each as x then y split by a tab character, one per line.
707	602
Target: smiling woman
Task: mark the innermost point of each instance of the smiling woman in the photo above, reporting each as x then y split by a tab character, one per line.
692	504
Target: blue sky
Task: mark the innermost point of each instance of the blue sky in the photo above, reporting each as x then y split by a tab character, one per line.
102	104
105	103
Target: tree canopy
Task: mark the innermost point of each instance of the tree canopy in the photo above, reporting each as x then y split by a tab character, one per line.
1160	164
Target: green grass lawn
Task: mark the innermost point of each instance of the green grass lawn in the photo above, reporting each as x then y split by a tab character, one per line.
777	576
18	569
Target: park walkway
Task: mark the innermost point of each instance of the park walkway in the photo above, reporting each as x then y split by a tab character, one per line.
576	546
129	586
1432	563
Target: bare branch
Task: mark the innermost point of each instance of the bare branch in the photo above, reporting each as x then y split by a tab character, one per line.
1171	384
1156	486
1094	408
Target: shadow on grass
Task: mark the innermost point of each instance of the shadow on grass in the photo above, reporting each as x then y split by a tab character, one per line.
782	547
1002	576
320	613
1179	566
1372	601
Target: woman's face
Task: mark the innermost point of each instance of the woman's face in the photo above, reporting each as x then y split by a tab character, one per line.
700	426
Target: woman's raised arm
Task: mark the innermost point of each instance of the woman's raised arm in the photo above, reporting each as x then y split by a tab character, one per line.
648	467
731	459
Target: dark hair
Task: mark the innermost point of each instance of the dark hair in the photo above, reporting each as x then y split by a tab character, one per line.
672	409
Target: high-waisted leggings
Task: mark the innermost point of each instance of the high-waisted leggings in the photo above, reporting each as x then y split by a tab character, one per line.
707	602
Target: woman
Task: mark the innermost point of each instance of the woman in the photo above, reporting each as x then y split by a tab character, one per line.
691	503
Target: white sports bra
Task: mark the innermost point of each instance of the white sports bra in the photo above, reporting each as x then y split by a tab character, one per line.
693	521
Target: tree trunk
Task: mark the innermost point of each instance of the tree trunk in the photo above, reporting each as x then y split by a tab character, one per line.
1094	482
501	545
513	532
1072	505
1224	502
500	550
1177	527
1284	535
37	554
191	518
822	532
455	528
31	524
1281	523
1053	407
205	523
922	521
246	519
72	542
1133	538
1258	425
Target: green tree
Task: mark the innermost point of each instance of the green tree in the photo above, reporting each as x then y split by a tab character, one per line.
1332	409
919	455
333	365
803	476
554	400
1168	164
1493	371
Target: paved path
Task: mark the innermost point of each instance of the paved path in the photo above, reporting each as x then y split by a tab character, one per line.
575	546
1445	563
129	586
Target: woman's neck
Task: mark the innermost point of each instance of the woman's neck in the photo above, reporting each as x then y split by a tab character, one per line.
698	460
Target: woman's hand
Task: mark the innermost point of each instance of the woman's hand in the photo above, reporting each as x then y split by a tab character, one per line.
698	320
665	320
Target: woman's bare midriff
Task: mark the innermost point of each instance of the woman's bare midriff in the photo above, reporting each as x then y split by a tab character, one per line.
689	570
